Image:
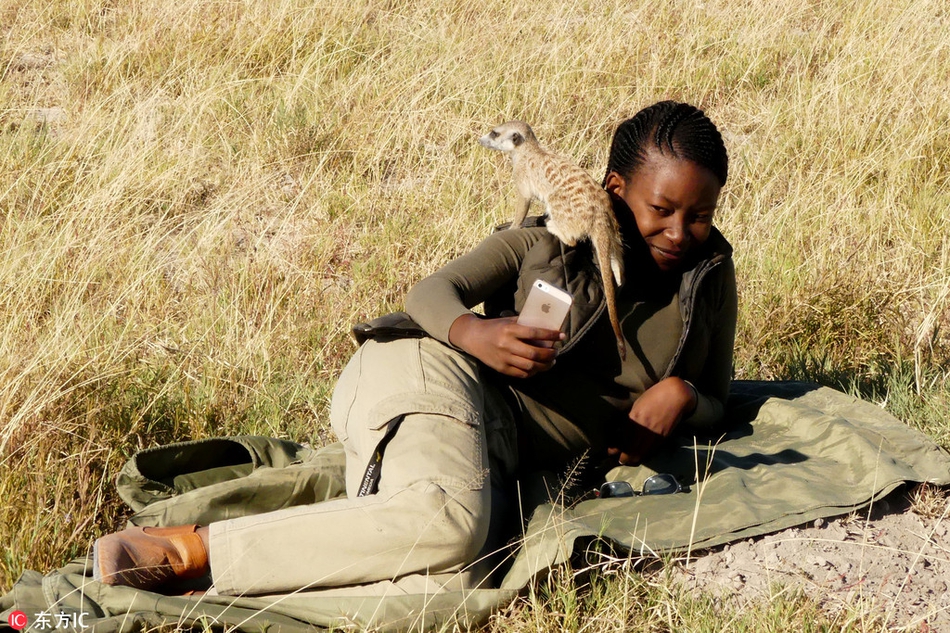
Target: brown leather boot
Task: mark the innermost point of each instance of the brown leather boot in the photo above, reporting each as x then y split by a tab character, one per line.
146	557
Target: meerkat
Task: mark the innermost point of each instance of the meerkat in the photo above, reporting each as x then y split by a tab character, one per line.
576	207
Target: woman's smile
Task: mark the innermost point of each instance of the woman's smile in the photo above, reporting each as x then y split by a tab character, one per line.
673	257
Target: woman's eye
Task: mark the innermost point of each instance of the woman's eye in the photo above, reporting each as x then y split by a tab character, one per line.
662	210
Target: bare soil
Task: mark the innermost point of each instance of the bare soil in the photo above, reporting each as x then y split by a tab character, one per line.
889	566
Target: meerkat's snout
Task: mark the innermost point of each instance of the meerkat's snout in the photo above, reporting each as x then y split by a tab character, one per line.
498	139
507	136
488	140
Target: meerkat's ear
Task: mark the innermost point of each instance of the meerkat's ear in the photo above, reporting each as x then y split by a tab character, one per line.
517	139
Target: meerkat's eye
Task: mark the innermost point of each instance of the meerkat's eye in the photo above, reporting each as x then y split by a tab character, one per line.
517	139
493	134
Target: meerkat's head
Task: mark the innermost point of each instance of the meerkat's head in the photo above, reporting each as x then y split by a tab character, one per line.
509	137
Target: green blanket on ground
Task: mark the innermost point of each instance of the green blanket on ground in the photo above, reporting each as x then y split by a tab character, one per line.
793	453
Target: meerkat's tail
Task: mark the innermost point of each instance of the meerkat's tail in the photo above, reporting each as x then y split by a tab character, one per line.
609	250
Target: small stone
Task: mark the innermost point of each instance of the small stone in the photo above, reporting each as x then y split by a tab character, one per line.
47	115
819	523
31	61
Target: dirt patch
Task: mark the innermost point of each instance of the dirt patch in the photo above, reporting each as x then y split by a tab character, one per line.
892	565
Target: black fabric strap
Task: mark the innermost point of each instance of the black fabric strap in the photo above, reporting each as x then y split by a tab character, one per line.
370	483
389	327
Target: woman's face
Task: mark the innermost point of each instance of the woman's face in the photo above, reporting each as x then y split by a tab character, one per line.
673	201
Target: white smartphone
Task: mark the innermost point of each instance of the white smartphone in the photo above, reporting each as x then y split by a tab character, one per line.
546	306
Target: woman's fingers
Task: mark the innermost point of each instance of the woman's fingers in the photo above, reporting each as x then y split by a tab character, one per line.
526	361
527	333
505	345
634	443
530	352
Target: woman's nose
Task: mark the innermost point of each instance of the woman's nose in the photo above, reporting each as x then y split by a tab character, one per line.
676	231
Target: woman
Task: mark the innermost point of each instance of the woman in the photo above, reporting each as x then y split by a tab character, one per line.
447	407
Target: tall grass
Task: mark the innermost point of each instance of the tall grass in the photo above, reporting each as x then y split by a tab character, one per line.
199	197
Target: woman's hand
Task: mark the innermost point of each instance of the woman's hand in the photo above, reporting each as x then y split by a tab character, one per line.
654	415
508	348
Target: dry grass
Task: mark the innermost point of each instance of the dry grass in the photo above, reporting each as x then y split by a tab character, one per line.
199	197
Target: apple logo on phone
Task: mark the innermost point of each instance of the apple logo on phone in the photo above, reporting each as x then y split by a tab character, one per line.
546	307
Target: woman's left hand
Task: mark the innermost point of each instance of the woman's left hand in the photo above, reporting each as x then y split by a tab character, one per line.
654	415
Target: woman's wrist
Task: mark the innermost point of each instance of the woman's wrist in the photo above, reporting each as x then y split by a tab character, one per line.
461	330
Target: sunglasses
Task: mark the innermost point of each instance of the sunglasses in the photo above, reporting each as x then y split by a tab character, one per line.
661	484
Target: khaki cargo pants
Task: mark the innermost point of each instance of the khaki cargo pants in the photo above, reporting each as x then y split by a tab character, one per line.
433	510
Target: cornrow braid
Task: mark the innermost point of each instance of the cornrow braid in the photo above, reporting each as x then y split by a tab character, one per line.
678	129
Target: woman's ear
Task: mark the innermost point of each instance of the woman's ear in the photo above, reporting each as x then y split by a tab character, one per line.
616	184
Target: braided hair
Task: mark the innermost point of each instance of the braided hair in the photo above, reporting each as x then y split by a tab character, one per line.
677	129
